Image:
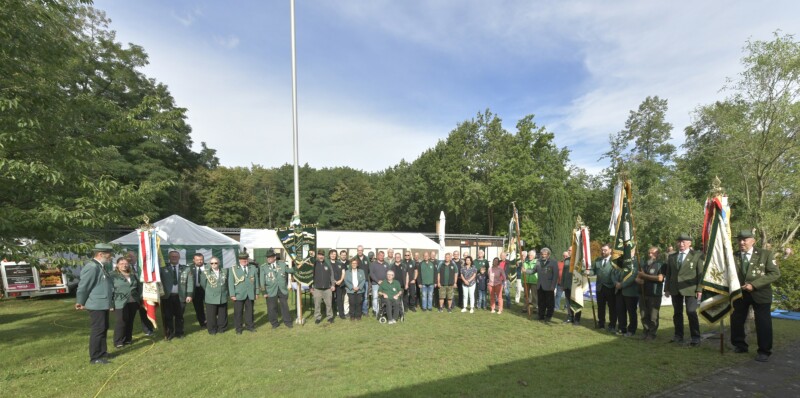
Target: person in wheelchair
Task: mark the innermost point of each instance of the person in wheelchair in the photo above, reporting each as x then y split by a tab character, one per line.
390	293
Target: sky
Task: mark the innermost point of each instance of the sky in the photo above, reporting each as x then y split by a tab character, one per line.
379	81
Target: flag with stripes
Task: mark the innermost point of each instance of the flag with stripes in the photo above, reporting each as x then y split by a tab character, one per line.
721	286
150	261
580	262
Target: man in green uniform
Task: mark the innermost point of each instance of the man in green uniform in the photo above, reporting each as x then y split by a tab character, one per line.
427	281
758	269
214	280
684	273
530	279
95	294
178	282
651	278
390	291
274	282
628	298
448	272
242	283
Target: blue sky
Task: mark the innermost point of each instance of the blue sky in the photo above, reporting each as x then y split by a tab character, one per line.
380	81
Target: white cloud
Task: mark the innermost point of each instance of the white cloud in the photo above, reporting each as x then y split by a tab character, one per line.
186	18
230	41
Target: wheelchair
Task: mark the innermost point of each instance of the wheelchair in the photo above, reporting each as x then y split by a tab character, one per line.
383	315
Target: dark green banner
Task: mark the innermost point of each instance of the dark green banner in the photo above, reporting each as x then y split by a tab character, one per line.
299	242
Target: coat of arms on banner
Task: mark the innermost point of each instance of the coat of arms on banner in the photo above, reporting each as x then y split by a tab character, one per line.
300	241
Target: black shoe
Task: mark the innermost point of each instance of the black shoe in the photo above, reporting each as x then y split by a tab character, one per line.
694	343
440	310
740	350
676	339
317	322
118	346
331	320
212	333
238	332
252	330
289	325
600	327
413	309
275	326
627	334
101	361
449	310
762	357
567	321
342	317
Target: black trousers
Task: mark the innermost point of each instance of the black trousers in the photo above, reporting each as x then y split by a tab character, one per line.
276	302
572	316
243	307
147	326
606	298
410	296
763	323
392	308
338	298
691	313
172	314
98	333
123	323
217	318
198	300
650	306
547	303
627	319
355	304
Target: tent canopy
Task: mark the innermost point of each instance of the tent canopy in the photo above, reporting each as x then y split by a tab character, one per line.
178	233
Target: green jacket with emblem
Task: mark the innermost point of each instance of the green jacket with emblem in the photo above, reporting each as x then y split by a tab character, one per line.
216	288
273	278
241	284
123	290
684	279
185	281
763	270
95	287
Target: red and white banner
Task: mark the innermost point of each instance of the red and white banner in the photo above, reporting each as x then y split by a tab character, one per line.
149	258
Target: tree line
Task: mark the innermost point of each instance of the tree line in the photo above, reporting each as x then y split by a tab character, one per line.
88	143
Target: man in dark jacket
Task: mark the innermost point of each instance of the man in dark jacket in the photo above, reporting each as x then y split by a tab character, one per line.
547	270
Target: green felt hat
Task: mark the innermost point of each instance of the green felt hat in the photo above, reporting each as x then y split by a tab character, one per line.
683	236
745	233
102	247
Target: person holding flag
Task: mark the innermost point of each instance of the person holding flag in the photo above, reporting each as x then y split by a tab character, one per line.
758	269
684	273
651	277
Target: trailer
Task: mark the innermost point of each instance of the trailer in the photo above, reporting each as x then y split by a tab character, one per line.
24	280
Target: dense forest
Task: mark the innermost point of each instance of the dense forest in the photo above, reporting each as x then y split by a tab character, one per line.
88	142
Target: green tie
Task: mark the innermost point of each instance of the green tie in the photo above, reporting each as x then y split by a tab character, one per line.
175	275
680	261
745	264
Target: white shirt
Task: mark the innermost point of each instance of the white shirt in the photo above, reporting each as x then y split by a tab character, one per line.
355	277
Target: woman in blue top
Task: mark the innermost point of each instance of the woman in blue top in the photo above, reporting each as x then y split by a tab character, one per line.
468	285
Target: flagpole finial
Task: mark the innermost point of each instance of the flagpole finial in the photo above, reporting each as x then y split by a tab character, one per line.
578	222
146	221
716	187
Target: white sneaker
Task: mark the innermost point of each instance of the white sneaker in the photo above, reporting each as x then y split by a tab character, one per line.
493	311
392	322
463	310
472	310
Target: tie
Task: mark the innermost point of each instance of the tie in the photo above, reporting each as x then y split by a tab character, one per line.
175	275
197	276
680	260
745	264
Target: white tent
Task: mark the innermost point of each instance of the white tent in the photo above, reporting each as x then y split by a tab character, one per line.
256	240
186	237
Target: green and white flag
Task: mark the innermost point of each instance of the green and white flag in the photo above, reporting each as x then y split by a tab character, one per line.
721	286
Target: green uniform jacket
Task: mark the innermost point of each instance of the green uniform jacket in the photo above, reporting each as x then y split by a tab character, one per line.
391	289
273	278
684	280
123	290
241	285
603	273
763	270
427	273
216	288
481	263
566	276
95	287
185	281
629	286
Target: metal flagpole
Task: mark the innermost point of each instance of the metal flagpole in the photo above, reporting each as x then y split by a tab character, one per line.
519	257
296	155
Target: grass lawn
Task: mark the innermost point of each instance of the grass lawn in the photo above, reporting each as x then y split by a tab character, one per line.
45	353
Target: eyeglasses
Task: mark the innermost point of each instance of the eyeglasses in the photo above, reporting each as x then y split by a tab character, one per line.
215	263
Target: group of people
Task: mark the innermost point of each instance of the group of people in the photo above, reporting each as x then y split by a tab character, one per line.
621	292
403	283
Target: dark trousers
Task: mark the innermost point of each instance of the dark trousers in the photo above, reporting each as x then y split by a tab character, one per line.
619	302
572	316
626	313
147	326
198	300
217	318
763	321
98	333
172	313
547	302
279	301
650	307
458	294
243	306
410	296
338	299
392	308
691	313
123	323
355	305
606	298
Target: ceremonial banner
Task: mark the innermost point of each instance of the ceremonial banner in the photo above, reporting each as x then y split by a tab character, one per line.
299	241
580	262
511	250
721	286
621	227
150	260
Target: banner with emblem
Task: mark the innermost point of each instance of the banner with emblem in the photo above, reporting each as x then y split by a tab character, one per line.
150	260
721	286
580	262
299	241
621	227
